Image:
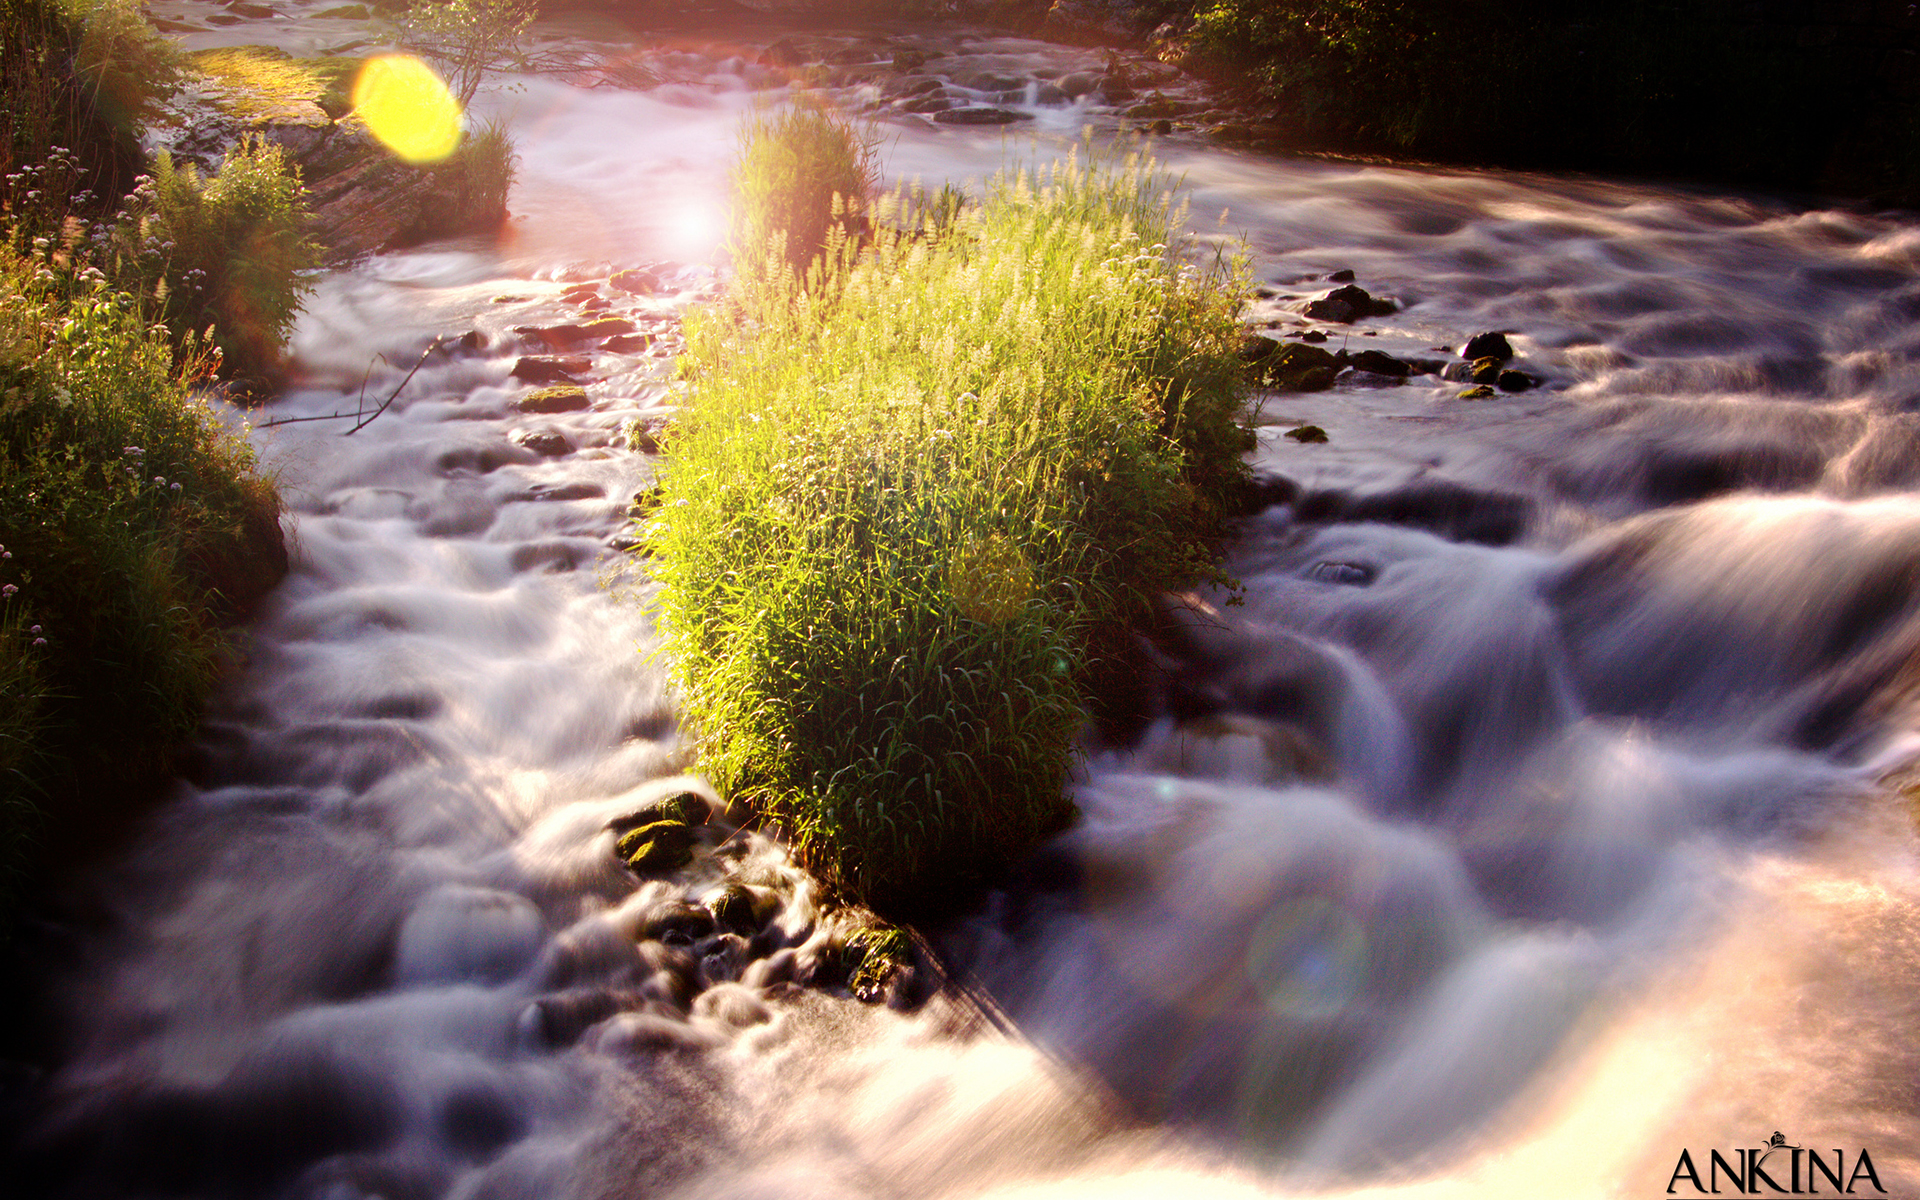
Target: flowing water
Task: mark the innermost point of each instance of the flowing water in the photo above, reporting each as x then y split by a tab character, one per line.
1527	824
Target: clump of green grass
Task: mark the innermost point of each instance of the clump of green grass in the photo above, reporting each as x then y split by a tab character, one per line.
903	510
803	174
239	252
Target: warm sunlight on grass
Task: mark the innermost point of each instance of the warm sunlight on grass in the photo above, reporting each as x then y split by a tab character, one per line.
408	108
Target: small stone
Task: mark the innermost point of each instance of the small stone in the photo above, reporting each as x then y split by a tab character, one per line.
1478	392
1485	370
344	12
1343	275
1308	433
1514	381
1487	345
537	369
627	343
470	342
554	337
980	116
1316	336
1160	128
565	397
1372	379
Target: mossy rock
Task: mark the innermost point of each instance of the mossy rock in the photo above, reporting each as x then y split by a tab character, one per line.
1308	433
1486	370
561	397
1479	391
659	846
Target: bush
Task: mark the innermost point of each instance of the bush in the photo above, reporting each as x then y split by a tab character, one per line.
131	523
472	184
802	173
239	253
900	511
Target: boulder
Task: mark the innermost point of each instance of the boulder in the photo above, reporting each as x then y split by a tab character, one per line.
549	443
1485	370
660	846
1308	433
1514	381
1477	392
627	343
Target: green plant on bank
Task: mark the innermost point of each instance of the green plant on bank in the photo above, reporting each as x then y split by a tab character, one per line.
238	252
468	39
803	172
473	182
130	521
906	507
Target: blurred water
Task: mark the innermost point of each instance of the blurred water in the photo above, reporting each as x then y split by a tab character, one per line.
1523	826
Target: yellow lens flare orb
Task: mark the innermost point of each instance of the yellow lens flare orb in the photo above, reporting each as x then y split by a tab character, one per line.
408	108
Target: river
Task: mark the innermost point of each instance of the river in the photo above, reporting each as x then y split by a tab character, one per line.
1534	820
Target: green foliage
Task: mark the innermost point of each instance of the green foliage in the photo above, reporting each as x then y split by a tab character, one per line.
803	173
123	504
467	39
901	509
239	252
472	183
127	66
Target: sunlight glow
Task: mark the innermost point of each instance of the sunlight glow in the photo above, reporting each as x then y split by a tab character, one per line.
408	108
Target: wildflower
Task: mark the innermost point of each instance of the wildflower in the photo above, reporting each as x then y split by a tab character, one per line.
160	479
39	641
8	591
33	629
173	487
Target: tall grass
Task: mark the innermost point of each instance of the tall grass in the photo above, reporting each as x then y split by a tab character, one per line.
907	503
803	174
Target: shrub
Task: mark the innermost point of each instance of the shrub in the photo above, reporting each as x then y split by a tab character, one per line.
900	511
240	252
472	184
127	514
802	173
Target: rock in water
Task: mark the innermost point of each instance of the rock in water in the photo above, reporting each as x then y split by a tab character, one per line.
1488	345
1345	305
565	397
980	116
661	846
1308	433
540	369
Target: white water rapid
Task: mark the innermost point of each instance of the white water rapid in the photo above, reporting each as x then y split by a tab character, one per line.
1526	826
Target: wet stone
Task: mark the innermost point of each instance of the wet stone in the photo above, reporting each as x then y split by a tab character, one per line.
1488	345
1308	433
1379	363
1485	370
566	397
660	846
628	343
550	443
1514	381
636	282
1301	368
927	104
1477	392
980	116
1344	573
607	327
538	369
1345	305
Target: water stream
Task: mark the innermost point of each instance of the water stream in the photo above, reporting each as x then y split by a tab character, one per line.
1525	825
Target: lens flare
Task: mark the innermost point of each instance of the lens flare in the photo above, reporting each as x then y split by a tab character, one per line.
408	108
